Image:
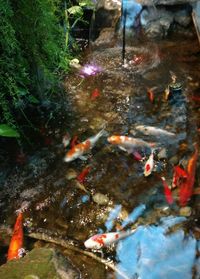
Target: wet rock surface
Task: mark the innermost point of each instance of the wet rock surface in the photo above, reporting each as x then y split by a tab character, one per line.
40	263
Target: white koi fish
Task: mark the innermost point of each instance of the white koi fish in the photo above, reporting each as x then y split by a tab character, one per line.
98	241
154	131
129	144
66	140
80	149
148	167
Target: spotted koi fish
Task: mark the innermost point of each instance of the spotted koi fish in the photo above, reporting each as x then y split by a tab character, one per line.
129	144
148	167
101	240
80	149
16	242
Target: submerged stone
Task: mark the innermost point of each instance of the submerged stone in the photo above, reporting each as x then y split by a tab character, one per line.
71	174
100	199
185	211
39	263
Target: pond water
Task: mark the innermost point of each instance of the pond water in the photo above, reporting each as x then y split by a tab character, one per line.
115	194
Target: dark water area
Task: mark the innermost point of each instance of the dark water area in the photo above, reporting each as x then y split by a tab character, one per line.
116	194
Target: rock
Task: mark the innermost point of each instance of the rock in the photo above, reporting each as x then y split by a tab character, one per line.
185	211
31	277
174	160
183	18
162	154
164	2
156	23
106	37
60	182
39	263
100	199
107	15
71	174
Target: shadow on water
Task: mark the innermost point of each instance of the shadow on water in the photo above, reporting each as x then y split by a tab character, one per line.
116	195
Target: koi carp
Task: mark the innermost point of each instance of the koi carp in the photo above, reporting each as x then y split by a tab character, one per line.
150	94
167	191
66	140
186	188
95	94
129	144
83	174
80	149
16	242
179	176
153	131
74	141
101	240
149	165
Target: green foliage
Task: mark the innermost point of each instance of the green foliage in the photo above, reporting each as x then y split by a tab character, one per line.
7	131
33	53
34	46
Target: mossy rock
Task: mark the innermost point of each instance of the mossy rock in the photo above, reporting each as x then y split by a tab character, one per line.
40	263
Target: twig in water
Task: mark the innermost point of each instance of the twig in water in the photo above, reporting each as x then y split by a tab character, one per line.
68	245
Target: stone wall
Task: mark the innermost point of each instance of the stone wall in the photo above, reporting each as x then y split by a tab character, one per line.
155	18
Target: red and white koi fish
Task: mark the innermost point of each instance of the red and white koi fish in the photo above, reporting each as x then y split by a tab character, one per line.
129	144
83	174
95	94
186	189
150	94
179	176
148	167
16	242
167	191
81	148
101	240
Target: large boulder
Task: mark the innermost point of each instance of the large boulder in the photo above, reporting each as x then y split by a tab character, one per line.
106	16
40	263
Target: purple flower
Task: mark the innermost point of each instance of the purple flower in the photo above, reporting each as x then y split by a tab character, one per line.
90	70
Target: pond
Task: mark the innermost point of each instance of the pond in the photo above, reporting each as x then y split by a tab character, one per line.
132	100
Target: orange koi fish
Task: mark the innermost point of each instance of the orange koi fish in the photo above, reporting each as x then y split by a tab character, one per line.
186	189
150	94
167	192
16	240
129	144
179	176
101	240
83	174
80	149
149	165
95	94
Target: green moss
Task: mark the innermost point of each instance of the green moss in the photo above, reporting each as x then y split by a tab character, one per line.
39	263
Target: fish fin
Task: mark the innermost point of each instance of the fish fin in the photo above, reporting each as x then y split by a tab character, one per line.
123	148
83	158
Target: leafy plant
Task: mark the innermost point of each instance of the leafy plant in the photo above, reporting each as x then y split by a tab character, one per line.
7	131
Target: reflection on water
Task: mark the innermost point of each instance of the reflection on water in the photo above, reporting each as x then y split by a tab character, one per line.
153	254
